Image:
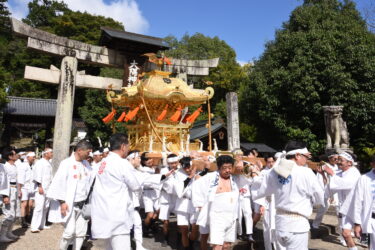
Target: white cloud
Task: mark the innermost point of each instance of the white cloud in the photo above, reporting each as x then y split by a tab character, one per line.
124	11
18	8
242	63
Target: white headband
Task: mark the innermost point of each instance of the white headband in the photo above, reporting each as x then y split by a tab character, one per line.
91	155
106	150
347	156
133	155
30	154
47	151
172	159
97	152
278	155
298	151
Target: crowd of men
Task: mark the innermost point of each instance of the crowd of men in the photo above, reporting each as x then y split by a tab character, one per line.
106	194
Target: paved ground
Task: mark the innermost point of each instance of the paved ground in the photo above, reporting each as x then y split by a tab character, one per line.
48	239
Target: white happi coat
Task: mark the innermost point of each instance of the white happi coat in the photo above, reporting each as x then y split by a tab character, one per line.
63	187
145	180
269	203
111	201
343	183
95	166
295	194
42	173
359	207
327	190
184	194
25	176
167	194
4	182
204	191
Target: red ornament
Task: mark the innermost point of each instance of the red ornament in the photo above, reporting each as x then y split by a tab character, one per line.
75	176
75	167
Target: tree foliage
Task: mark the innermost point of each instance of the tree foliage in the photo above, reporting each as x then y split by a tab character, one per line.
227	77
324	55
57	18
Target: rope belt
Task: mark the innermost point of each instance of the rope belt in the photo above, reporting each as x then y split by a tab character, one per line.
289	214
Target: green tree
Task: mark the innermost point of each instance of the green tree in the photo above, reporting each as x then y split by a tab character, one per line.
324	55
4	41
227	77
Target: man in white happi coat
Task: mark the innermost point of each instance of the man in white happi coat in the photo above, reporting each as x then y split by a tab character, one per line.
269	229
296	190
97	159
168	196
112	205
185	211
68	192
361	208
150	196
10	196
217	196
26	186
4	192
42	175
145	180
246	213
344	183
324	180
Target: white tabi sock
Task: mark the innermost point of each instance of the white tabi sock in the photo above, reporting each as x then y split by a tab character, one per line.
64	243
353	248
78	243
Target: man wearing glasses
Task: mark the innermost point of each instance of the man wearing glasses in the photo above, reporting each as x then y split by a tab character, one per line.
343	183
324	180
296	190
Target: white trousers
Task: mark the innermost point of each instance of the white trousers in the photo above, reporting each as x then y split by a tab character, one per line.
268	232
138	237
40	211
293	241
74	230
118	242
10	210
320	213
372	235
246	213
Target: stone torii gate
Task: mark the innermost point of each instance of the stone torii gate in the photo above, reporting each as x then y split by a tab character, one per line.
68	78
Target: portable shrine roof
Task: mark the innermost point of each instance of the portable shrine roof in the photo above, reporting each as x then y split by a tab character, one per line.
130	42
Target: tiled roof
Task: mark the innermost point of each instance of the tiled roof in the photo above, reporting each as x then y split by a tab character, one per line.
261	147
30	106
199	129
110	35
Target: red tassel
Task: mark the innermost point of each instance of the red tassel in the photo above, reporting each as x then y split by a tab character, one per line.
122	116
163	114
131	114
109	117
195	115
176	116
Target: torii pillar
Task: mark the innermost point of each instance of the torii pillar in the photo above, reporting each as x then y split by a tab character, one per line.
64	110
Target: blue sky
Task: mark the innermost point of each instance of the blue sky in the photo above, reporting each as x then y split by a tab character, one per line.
246	25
